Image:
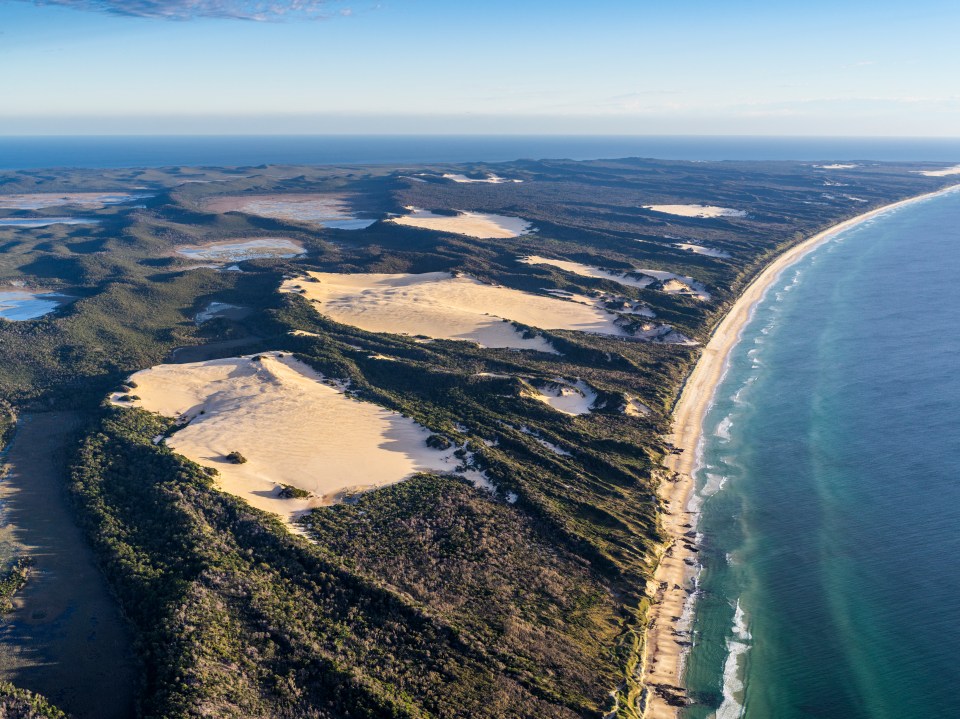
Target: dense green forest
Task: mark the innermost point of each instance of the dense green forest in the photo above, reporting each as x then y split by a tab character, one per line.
428	598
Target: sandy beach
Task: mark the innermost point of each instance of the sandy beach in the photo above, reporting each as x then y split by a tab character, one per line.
664	652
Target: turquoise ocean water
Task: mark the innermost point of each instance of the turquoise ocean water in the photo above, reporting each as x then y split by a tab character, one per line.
830	487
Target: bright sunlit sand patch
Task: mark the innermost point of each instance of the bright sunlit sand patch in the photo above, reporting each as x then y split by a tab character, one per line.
291	426
490	179
633	407
945	172
573	398
472	224
327	210
243	249
701	250
701	211
444	306
86	200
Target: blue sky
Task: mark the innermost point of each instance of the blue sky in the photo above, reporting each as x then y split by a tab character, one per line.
490	66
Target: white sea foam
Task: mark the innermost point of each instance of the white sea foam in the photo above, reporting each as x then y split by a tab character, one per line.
723	429
733	684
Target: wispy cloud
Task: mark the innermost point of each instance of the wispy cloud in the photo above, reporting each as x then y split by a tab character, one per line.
227	9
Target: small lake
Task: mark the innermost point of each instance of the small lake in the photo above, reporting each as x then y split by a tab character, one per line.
19	305
34	222
238	250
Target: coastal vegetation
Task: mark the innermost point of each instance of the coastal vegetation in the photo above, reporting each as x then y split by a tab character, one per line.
522	593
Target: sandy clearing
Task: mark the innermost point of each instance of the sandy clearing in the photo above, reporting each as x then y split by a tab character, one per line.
663	656
86	200
945	172
327	210
701	211
573	398
701	250
291	426
633	407
472	224
243	249
490	179
444	306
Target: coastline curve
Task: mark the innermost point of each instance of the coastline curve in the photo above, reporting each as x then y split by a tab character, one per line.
673	583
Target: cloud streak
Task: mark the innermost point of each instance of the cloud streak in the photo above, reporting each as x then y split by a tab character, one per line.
192	9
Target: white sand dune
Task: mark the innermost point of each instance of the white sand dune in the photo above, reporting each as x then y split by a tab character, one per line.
701	250
443	306
243	249
327	210
641	278
87	200
945	172
573	398
701	211
472	224
291	426
491	179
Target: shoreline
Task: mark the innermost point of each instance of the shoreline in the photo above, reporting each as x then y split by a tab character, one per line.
665	643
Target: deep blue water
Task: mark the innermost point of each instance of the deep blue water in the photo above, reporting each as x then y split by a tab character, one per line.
225	151
830	480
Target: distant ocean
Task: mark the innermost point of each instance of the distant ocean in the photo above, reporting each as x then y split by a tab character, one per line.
225	151
830	482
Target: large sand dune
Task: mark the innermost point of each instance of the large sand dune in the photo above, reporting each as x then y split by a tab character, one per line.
472	224
443	306
291	427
